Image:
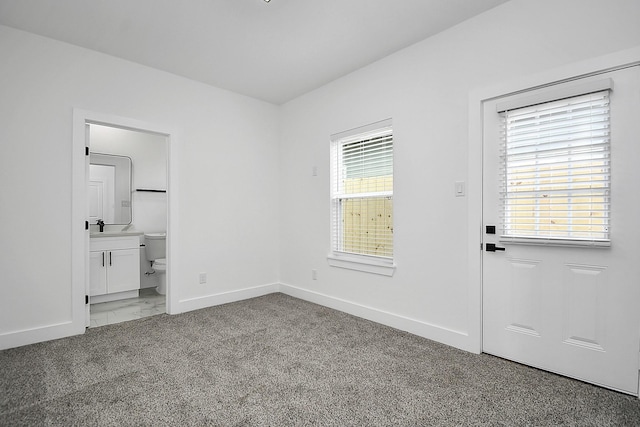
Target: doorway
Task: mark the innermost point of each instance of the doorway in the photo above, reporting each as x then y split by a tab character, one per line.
81	272
559	278
131	168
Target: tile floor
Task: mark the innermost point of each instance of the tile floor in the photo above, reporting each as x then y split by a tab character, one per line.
148	303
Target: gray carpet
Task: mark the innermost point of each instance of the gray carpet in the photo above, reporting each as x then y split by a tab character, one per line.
279	361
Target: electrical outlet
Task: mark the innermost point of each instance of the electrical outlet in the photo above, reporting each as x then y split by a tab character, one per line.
203	278
314	274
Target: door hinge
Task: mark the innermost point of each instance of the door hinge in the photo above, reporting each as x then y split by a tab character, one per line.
86	299
86	151
86	225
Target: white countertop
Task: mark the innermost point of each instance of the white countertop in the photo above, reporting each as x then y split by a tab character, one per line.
115	234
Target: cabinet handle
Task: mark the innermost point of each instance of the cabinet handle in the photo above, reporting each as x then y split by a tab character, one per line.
110	259
103	259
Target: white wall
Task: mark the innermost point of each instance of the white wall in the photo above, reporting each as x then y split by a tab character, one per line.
245	184
227	207
425	90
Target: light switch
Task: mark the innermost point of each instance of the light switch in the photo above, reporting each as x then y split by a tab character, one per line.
459	188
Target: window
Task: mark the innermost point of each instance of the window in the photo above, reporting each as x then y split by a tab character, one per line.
362	193
555	179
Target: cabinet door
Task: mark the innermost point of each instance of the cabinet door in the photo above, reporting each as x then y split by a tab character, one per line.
98	273
124	270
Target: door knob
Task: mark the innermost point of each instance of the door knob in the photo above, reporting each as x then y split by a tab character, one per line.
491	247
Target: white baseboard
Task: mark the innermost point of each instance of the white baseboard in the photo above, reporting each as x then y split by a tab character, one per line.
97	299
426	330
437	333
39	334
197	303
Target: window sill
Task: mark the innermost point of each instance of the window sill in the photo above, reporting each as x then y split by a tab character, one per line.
554	242
362	263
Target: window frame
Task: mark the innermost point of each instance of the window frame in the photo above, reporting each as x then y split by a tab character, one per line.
382	265
524	100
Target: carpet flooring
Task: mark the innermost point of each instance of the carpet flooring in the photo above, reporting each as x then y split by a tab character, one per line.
280	361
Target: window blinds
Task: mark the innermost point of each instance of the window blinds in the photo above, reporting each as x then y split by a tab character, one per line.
362	193
555	174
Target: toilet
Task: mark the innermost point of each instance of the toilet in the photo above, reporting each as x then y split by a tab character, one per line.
156	252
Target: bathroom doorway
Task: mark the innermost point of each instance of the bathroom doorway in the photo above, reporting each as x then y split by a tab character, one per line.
150	212
127	200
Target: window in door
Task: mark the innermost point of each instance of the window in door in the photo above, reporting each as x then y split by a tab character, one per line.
555	175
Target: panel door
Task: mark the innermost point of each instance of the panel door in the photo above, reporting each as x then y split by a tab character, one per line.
123	270
567	309
98	273
101	193
96	201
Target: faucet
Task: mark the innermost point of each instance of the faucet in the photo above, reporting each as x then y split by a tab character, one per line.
101	225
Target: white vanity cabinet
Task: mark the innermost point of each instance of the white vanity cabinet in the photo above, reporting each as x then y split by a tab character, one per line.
114	265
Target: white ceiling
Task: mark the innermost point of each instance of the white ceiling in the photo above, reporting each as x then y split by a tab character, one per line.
271	51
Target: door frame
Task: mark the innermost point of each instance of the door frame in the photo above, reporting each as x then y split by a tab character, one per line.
80	207
477	98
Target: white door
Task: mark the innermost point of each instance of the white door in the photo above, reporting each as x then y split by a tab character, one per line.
87	260
569	309
96	201
102	179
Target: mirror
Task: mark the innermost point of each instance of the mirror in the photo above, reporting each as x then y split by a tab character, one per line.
109	188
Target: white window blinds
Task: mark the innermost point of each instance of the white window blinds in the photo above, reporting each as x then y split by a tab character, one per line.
555	170
362	193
